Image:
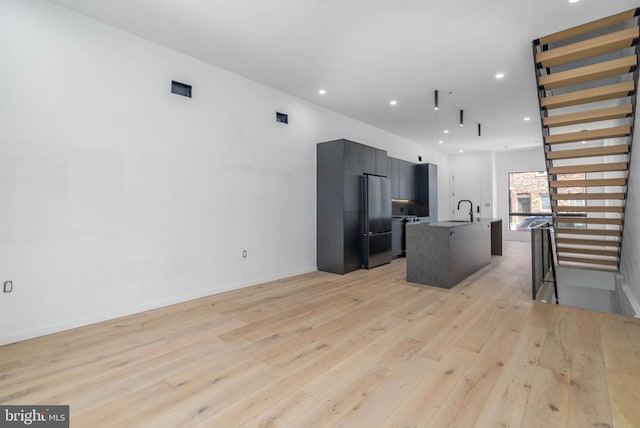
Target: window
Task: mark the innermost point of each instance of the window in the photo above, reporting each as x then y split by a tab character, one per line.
524	202
529	200
545	203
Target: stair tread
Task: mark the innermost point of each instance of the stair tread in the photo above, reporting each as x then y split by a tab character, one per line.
592	242
588	27
588	260
588	220
590	135
589	209
589	231
586	196
616	112
588	73
600	167
589	182
595	46
617	149
589	251
586	96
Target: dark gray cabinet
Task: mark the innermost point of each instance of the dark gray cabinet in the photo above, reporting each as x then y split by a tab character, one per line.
369	157
403	179
410	177
427	190
381	162
340	164
395	178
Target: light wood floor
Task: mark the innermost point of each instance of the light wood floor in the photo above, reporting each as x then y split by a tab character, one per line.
362	350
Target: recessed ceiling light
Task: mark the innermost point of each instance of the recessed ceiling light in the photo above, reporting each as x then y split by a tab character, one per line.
527	119
583	142
446	131
393	102
322	91
440	142
461	151
574	1
499	75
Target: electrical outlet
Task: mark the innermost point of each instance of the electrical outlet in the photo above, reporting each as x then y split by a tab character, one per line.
8	286
244	254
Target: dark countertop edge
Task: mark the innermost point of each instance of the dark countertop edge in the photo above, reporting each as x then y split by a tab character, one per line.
457	224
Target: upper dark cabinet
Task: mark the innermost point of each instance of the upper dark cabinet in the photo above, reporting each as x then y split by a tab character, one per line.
381	163
353	158
395	178
369	158
411	181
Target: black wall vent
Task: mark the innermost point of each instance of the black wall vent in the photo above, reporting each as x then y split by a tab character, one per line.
282	118
180	89
419	158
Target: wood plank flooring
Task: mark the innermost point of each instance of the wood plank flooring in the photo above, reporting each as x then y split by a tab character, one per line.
366	349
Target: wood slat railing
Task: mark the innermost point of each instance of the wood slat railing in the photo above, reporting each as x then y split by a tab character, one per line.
589	183
589	135
591	242
587	196
600	167
588	73
588	48
590	231
596	115
586	96
618	149
587	28
587	260
587	78
590	209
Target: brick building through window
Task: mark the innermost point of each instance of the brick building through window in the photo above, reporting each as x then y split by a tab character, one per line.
530	199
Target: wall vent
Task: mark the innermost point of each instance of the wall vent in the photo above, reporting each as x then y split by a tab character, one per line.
282	118
180	89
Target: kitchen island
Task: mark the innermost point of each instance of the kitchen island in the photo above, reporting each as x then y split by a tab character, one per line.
443	254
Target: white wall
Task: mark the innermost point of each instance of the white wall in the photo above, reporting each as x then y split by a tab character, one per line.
471	178
630	250
118	196
514	161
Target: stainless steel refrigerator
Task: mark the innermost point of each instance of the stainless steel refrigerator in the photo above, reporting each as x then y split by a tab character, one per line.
376	220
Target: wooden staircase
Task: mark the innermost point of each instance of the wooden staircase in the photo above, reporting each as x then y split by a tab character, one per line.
587	79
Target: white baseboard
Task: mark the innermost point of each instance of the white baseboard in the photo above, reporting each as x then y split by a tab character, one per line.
628	304
81	322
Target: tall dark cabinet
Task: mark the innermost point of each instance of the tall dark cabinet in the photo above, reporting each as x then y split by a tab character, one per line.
340	164
427	189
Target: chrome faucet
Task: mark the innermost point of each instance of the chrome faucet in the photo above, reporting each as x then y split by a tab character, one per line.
470	208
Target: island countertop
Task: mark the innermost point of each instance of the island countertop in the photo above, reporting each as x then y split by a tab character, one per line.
444	253
457	223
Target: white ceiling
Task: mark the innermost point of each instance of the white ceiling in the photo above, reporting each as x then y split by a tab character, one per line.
365	53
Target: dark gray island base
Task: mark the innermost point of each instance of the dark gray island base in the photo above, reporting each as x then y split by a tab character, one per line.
443	254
